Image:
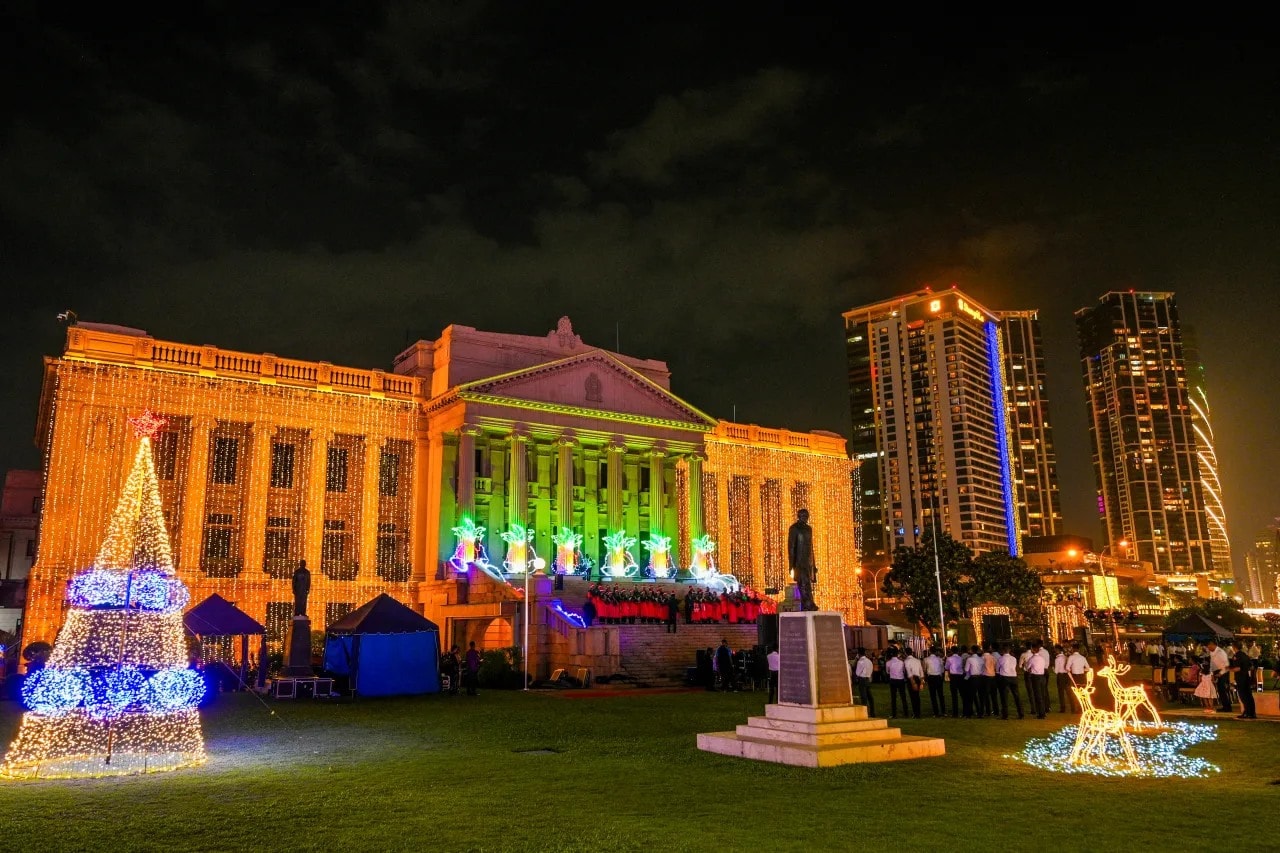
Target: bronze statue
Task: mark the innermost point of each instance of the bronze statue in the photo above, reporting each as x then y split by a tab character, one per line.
800	555
301	588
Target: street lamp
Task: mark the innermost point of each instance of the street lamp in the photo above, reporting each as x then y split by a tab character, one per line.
1102	565
538	565
875	584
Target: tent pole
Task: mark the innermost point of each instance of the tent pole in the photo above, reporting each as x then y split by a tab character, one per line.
526	627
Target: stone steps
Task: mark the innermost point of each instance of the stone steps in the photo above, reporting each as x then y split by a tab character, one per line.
819	737
649	654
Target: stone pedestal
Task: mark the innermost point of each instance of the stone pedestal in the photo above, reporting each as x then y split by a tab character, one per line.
297	646
815	723
1267	703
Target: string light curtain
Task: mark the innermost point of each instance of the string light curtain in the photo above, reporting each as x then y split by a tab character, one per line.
253	476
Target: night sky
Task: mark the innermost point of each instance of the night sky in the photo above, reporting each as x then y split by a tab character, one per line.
718	183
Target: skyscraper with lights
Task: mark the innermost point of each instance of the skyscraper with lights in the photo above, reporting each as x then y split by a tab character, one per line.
930	429
1198	397
1035	465
1146	458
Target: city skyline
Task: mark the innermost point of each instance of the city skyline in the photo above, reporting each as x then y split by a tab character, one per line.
338	185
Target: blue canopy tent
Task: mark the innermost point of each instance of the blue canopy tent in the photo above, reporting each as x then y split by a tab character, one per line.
386	649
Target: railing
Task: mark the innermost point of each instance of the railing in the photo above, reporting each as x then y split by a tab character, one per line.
753	434
108	346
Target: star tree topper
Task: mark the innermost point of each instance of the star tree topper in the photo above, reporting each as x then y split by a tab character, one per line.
147	424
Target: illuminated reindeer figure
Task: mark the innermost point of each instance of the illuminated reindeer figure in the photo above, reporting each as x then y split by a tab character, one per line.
1129	699
1097	725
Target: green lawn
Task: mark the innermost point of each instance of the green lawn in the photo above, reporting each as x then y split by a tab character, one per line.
445	773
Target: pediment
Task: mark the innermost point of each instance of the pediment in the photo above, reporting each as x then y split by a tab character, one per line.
594	381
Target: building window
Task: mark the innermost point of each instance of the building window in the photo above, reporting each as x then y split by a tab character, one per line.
277	545
389	474
225	453
217	543
279	615
282	466
31	547
336	611
166	455
335	477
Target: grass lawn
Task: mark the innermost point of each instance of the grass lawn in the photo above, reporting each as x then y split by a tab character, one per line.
446	773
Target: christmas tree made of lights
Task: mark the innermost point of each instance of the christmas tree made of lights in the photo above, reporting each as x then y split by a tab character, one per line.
117	696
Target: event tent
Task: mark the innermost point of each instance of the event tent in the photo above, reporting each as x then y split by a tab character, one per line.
1196	627
217	617
386	648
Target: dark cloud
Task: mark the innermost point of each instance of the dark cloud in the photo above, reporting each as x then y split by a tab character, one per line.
331	185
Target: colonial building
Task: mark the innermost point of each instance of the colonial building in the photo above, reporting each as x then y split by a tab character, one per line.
365	474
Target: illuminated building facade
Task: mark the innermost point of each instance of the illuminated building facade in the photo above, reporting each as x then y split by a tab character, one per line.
1219	541
1145	455
930	427
1035	469
265	461
1263	567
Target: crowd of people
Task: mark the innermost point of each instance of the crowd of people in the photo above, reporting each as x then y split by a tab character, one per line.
990	680
631	604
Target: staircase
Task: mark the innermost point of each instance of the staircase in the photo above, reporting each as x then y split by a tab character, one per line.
652	656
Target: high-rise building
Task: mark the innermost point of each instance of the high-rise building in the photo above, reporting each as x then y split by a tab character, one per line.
1035	468
1263	566
930	432
1145	455
1219	541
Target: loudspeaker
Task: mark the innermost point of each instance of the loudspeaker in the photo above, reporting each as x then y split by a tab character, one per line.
767	630
995	629
1082	636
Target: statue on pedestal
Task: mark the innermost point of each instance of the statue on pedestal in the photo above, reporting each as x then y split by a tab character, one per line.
800	555
301	588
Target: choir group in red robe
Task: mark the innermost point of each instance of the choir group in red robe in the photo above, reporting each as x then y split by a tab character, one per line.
614	604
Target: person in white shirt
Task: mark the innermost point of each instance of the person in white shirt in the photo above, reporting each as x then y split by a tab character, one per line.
1077	666
775	661
933	669
1254	652
989	658
1022	665
1062	678
1218	665
915	681
896	670
955	672
862	672
1007	677
1036	667
974	675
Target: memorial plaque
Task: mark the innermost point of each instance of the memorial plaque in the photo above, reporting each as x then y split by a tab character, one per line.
793	661
831	660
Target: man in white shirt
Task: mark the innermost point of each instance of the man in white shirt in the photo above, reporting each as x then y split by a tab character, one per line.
1077	666
1061	677
1022	665
955	672
774	662
989	658
933	669
1254	652
975	674
862	672
896	670
915	681
1219	664
1036	668
1007	677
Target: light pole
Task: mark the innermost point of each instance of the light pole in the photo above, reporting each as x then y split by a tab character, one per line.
875	584
1102	565
538	565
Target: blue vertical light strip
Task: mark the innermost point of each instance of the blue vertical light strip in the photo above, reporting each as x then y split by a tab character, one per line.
994	362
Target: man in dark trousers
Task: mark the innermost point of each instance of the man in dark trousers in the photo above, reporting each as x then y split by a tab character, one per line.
673	612
1242	665
800	555
724	666
473	669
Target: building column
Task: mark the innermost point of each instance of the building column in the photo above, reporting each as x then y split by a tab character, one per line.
518	496
564	481
542	501
371	486
614	485
443	479
497	499
591	505
426	496
656	489
189	551
467	471
631	513
255	522
317	470
695	496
